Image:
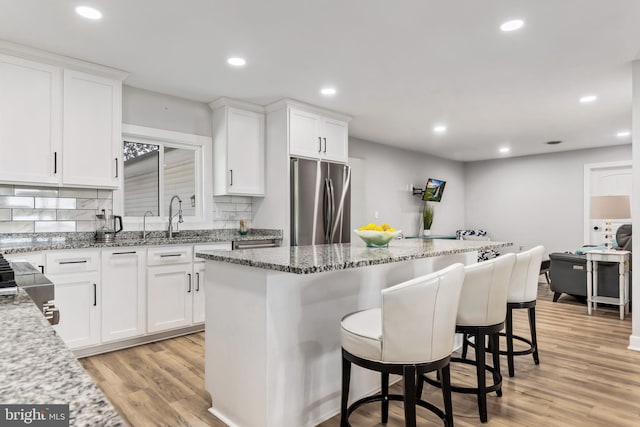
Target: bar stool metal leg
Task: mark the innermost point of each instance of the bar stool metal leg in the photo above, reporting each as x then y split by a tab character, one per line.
384	385
346	379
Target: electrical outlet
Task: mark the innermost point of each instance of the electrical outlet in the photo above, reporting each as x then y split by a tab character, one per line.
376	215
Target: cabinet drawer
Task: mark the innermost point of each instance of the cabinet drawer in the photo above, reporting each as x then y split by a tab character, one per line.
72	261
169	255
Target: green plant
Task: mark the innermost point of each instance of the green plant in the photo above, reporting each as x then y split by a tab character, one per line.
427	216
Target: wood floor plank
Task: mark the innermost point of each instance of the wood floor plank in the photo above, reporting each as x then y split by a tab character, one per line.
586	377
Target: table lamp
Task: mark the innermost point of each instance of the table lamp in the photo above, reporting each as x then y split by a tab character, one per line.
608	208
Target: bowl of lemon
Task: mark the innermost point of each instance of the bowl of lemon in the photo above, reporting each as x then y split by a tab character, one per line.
377	236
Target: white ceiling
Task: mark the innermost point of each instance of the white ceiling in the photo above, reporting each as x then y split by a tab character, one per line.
399	66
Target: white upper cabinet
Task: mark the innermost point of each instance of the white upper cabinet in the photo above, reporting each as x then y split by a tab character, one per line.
318	135
60	120
238	148
91	131
30	120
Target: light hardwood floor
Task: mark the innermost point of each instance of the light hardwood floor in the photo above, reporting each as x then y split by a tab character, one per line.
586	377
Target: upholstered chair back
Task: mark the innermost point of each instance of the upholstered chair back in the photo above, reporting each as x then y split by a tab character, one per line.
419	317
524	278
483	301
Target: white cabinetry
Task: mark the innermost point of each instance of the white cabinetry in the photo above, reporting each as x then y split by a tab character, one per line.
92	130
30	120
36	259
198	276
238	148
123	293
76	277
169	288
67	122
312	134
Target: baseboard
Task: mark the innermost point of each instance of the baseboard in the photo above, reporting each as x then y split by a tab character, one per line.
634	343
132	342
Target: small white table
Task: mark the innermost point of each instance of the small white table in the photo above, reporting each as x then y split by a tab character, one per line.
620	257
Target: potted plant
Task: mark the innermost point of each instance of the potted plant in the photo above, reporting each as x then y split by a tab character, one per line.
427	219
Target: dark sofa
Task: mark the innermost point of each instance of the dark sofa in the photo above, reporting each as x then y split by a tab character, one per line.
568	271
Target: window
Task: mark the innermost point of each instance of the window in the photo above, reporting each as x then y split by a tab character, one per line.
159	164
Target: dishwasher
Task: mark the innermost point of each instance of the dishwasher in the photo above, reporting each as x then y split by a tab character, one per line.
255	244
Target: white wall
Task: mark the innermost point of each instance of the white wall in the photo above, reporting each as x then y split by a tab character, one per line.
634	339
156	110
534	199
383	188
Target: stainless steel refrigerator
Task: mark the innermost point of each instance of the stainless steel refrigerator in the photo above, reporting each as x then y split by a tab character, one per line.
320	202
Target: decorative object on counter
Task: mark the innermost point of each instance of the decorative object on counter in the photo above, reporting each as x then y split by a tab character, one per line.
243	228
377	236
478	235
427	219
608	208
107	232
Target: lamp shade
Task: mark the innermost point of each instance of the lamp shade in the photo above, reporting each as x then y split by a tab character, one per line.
610	207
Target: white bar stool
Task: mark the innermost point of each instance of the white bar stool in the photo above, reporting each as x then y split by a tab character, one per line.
411	334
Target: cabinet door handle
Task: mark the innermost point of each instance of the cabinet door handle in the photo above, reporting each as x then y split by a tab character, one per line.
319	144
189	288
41	268
116	159
231	178
95	294
55	162
168	255
325	145
84	261
197	282
124	253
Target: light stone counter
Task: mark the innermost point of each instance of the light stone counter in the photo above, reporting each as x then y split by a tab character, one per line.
272	341
37	368
322	258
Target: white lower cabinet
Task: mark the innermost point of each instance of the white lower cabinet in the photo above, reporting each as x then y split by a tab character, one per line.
198	292
76	278
123	293
169	296
77	298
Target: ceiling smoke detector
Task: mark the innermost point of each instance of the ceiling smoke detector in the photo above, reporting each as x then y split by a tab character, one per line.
553	142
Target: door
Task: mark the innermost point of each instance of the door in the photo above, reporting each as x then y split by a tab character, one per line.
605	179
340	185
92	130
30	121
305	133
77	298
123	294
245	152
198	292
169	302
335	137
307	196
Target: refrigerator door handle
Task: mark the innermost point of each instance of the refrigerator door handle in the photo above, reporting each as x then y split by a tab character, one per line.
296	202
332	212
326	211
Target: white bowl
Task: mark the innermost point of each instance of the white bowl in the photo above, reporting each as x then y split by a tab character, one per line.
377	239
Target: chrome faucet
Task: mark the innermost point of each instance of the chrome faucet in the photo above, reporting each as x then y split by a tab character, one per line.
144	224
171	216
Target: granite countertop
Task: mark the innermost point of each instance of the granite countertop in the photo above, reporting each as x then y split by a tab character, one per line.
33	242
37	368
320	258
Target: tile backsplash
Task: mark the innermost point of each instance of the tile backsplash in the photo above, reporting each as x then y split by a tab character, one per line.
25	209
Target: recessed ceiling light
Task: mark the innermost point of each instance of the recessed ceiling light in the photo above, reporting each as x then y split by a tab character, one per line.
504	149
440	129
89	12
588	98
623	133
328	91
512	25
236	61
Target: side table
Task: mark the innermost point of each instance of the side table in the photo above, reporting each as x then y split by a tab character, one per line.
620	257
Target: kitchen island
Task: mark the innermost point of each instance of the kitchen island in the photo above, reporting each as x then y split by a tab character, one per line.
272	355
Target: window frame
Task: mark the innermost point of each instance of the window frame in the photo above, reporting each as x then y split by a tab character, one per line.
202	145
